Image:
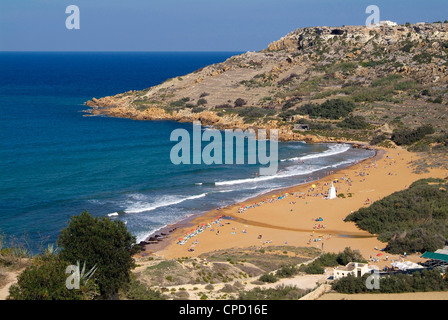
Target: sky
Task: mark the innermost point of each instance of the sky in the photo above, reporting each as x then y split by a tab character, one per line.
187	25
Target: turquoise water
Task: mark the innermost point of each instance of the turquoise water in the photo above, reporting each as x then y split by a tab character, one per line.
54	162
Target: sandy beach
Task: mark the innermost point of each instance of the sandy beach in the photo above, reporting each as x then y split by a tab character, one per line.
301	215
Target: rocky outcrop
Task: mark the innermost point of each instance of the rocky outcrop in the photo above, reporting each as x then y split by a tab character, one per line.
292	71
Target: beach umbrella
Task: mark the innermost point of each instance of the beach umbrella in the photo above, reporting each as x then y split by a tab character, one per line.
314	186
379	254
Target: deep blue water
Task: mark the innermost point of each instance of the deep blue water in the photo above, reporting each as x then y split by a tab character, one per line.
54	162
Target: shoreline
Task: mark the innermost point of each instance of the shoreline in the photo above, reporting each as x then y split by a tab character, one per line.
289	220
158	240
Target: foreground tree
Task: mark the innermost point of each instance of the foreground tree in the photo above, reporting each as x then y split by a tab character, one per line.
102	243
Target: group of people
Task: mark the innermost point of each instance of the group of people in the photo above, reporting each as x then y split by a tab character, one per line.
199	229
258	204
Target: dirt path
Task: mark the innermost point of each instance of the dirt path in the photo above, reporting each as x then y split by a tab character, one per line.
11	279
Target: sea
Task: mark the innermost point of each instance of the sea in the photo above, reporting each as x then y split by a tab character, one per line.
55	162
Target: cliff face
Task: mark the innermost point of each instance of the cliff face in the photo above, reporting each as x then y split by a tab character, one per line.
387	71
358	35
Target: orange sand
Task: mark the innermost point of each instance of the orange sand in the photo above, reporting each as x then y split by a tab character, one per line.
282	223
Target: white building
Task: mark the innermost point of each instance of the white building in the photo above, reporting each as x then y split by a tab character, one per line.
354	268
332	192
388	23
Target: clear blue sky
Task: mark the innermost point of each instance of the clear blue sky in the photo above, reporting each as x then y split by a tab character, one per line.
187	25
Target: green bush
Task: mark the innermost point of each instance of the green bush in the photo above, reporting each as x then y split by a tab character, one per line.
286	271
415	219
254	112
240	102
197	109
354	122
46	280
424	281
135	290
330	109
281	292
409	136
201	102
378	139
103	243
268	277
332	260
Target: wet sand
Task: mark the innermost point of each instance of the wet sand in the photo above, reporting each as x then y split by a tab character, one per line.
292	220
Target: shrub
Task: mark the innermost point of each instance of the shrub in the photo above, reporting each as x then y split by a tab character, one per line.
254	112
201	102
378	139
354	122
438	100
286	271
281	292
332	260
197	109
46	280
409	136
268	277
240	102
330	109
411	220
135	290
223	106
424	281
101	242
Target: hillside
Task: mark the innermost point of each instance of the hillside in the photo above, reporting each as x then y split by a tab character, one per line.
347	83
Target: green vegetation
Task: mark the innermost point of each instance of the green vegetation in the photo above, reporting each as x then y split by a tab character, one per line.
201	102
412	220
424	281
330	109
332	260
45	279
197	109
408	136
354	122
287	80
135	290
103	243
281	292
268	277
378	139
249	113
180	102
240	102
286	271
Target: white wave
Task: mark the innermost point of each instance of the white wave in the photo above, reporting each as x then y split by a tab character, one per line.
332	150
141	206
290	172
113	214
198	183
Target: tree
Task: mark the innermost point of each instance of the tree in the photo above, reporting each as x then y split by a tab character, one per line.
102	243
46	280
